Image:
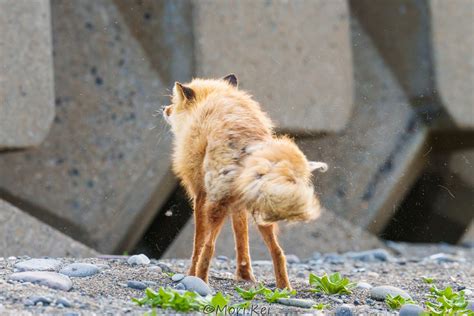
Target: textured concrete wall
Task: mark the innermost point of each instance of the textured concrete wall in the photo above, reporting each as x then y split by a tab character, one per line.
293	56
103	171
453	48
21	234
26	73
430	47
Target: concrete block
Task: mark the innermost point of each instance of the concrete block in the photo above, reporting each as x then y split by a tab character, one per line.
468	237
104	171
380	153
429	45
26	73
293	56
452	24
324	235
22	234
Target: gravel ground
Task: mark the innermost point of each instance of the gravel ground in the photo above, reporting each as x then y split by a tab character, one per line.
107	293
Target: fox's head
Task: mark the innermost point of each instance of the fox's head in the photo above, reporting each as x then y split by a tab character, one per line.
187	96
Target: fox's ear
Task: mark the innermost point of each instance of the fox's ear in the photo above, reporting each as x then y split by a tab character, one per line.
317	165
184	92
232	79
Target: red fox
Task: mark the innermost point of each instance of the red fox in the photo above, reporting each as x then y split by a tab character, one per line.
231	163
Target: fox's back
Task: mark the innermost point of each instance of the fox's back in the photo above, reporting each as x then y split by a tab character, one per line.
209	149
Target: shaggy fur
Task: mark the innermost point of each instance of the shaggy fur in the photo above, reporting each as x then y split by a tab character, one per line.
230	162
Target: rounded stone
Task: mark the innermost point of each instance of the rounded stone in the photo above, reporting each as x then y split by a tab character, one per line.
50	279
297	302
38	265
222	258
140	259
165	267
33	300
155	269
344	310
411	310
292	259
373	255
64	302
137	285
380	292
195	284
470	305
177	277
364	285
80	270
180	287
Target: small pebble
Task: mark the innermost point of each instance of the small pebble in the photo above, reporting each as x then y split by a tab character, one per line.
380	292
470	305
337	300
364	285
222	258
64	302
375	255
301	274
292	259
38	265
344	310
334	258
192	283
297	302
80	270
35	300
177	277
137	285
444	258
180	286
50	279
155	268
257	263
411	310
140	259
165	267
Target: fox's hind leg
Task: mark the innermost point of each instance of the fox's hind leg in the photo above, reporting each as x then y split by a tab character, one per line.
279	260
215	216
199	231
241	236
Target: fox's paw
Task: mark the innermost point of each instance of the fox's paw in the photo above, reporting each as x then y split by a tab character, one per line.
245	275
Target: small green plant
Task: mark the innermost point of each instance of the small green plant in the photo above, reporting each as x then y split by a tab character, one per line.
427	280
447	302
251	293
269	295
219	300
320	306
396	302
273	296
170	298
333	284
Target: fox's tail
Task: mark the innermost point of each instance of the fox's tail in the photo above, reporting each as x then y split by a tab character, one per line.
275	182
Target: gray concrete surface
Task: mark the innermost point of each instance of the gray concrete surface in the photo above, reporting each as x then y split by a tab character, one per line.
26	73
293	56
22	234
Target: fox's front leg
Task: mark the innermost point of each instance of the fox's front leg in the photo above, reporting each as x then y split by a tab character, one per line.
199	231
241	236
279	260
